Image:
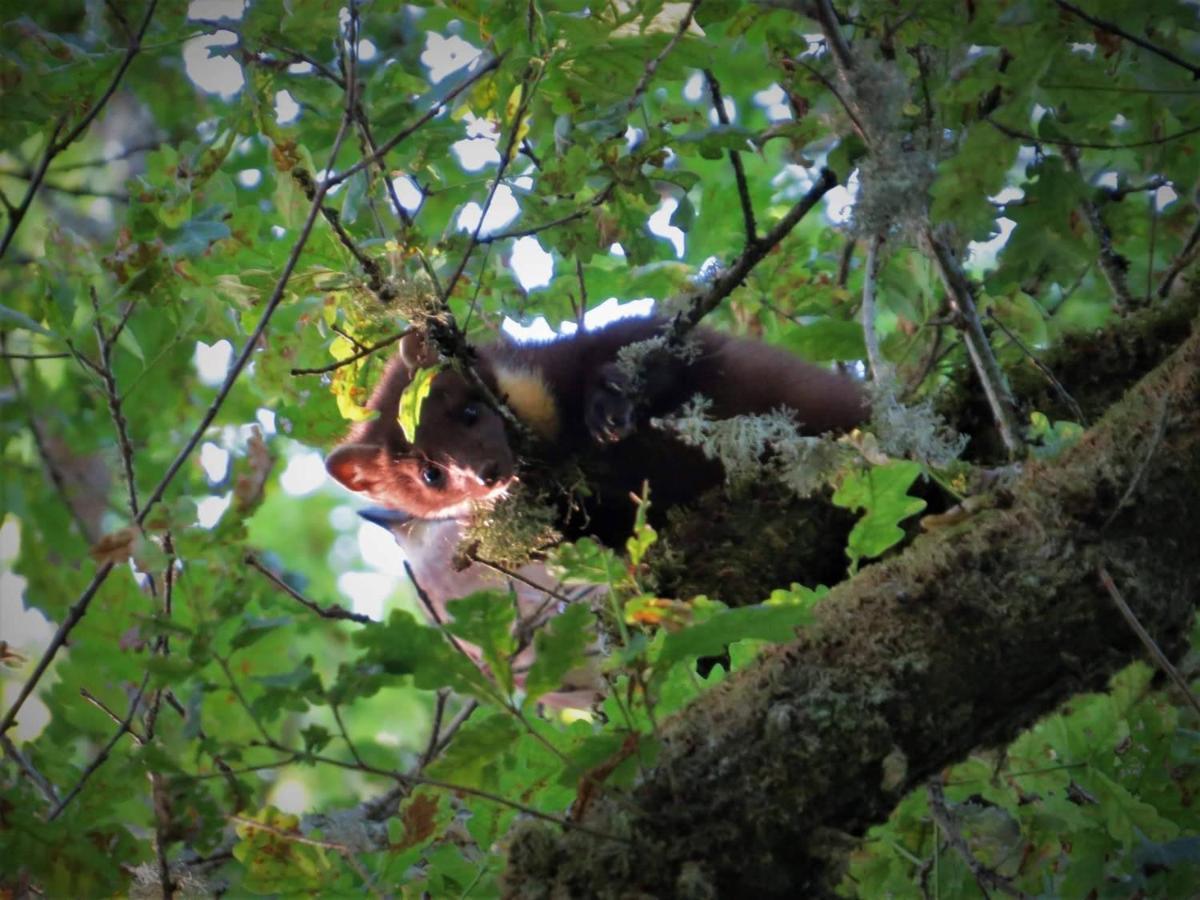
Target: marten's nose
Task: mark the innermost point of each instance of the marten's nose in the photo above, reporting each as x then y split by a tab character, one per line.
489	474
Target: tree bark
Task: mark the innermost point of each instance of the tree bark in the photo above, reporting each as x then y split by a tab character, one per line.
961	641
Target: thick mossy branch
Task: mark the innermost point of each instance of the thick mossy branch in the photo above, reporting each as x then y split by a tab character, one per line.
961	641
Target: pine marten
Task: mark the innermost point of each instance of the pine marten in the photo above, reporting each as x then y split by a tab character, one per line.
572	394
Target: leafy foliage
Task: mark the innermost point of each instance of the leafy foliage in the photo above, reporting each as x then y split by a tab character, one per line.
217	220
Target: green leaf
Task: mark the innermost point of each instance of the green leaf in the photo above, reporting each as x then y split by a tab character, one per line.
721	627
882	492
413	398
828	340
21	320
254	629
486	619
559	647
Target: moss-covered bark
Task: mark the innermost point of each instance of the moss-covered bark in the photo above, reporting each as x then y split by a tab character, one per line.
962	640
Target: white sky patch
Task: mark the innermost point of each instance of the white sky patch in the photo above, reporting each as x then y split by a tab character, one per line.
379	549
839	201
982	254
214	461
1008	195
616	250
693	88
534	267
278	231
523	183
443	55
503	210
730	111
210	509
216	9
660	225
474	154
343	518
291	796
407	192
1164	197
214	74
608	311
1108	180
773	100
287	110
367	50
305	473
367	591
212	363
266	419
300	68
249	178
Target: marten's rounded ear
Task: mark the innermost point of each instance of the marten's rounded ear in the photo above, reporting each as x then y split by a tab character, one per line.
416	352
356	466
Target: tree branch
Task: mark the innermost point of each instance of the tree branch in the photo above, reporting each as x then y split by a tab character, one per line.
1113	28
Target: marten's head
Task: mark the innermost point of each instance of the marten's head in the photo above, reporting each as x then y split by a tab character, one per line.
460	455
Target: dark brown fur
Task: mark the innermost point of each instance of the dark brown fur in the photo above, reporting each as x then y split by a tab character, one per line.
461	453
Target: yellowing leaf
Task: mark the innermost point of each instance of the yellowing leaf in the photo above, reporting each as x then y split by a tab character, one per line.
413	399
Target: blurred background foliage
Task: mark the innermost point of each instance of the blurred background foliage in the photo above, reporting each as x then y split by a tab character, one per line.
148	256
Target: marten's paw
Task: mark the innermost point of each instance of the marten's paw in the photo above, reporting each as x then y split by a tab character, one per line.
609	407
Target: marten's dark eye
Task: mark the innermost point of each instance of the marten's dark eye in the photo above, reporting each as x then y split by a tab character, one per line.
470	413
432	475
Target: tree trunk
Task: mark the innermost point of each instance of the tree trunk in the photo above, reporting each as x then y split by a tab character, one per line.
963	640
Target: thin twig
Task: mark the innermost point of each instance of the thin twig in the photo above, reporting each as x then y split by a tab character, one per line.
598	200
985	876
735	158
113	398
506	157
1035	140
1181	261
332	611
1063	393
870	335
1144	636
730	278
112	714
987	369
8	355
392	142
39	780
366	351
1113	28
1112	264
102	756
652	66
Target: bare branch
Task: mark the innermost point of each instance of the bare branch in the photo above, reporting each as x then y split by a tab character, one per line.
1062	392
962	301
39	780
1018	134
1112	264
739	171
332	611
870	335
102	756
113	397
652	66
1182	260
1148	642
598	200
364	352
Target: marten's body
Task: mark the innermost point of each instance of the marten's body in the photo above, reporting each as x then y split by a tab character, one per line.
570	392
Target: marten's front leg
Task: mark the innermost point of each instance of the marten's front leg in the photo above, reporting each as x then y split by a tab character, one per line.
609	408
